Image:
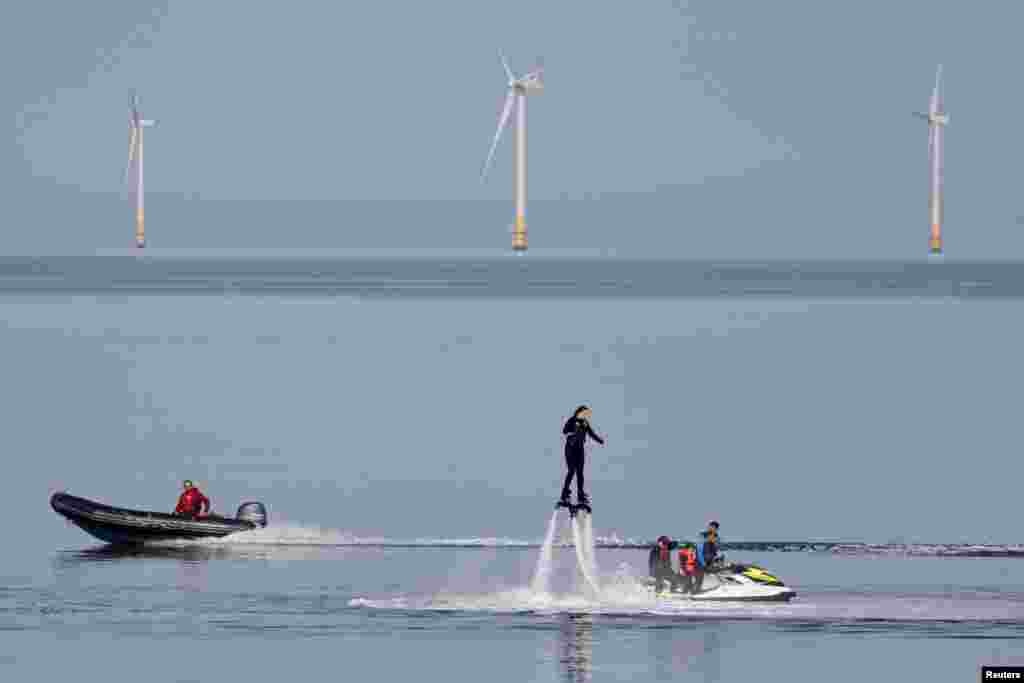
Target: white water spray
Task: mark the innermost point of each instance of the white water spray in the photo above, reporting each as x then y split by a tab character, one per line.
588	545
542	573
582	556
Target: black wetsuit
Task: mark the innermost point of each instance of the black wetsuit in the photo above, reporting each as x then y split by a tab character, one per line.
577	430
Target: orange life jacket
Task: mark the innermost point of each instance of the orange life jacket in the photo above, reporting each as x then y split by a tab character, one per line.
687	560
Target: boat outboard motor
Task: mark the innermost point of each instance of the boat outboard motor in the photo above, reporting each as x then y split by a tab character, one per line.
252	512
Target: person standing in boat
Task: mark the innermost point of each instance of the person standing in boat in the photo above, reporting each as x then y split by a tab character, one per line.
192	502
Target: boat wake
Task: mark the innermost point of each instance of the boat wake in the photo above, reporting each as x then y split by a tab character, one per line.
297	534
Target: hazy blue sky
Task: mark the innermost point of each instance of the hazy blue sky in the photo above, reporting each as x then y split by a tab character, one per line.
399	100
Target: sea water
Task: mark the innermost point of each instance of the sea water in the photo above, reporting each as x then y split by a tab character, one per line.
409	452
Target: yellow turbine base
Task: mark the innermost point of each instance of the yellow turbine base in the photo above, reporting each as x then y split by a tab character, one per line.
140	229
519	234
935	245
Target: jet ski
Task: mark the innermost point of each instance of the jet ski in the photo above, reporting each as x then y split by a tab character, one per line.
733	582
122	526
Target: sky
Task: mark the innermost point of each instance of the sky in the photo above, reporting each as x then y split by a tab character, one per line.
795	117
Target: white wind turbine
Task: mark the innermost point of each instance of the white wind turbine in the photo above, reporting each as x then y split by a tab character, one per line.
133	172
936	119
518	89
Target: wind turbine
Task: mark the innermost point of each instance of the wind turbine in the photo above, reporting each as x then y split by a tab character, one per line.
133	172
518	89
936	119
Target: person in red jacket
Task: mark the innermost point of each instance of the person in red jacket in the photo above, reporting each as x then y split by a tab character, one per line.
687	566
192	502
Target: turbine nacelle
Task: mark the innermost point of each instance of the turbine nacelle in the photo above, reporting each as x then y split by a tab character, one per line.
937	119
529	84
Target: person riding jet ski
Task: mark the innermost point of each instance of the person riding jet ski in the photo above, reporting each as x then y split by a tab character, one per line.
659	562
687	566
192	502
710	542
707	554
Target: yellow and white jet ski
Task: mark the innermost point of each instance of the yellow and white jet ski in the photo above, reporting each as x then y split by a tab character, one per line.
732	582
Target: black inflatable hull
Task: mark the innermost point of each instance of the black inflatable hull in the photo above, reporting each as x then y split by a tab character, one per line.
123	527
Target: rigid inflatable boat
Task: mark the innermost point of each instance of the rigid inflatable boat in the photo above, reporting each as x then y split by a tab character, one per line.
123	526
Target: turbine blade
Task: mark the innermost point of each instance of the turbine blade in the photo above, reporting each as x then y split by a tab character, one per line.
509	100
537	70
936	102
504	63
132	144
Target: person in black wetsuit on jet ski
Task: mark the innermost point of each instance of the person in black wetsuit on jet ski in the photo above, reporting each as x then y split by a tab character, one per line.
576	430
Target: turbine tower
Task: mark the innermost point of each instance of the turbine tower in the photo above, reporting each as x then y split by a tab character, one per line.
518	89
936	119
133	172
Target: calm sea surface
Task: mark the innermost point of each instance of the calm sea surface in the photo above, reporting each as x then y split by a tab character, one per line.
400	419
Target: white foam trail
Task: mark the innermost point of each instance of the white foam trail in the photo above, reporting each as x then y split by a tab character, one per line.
581	557
281	535
623	597
542	573
288	534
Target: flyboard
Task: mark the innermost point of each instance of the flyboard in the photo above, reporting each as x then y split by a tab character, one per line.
574	509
